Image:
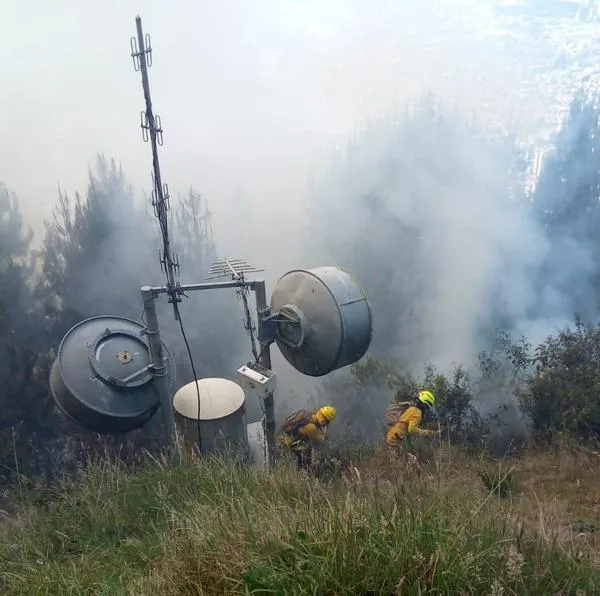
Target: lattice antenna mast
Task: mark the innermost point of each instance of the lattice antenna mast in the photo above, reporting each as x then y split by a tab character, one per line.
141	52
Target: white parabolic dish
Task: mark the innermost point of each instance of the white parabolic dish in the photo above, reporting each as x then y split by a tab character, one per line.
218	398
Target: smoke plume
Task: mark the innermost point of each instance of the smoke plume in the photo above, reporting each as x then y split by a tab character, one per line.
425	217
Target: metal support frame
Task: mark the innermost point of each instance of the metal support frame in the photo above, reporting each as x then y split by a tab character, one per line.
159	371
149	294
264	359
141	53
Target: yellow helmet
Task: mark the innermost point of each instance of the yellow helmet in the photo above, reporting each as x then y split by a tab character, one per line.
427	397
326	414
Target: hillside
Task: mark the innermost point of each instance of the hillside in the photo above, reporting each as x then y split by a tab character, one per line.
214	528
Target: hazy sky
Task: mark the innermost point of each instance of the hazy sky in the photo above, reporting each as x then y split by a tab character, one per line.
253	94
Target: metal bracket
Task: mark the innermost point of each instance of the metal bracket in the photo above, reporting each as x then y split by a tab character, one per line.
136	379
267	330
160	202
293	328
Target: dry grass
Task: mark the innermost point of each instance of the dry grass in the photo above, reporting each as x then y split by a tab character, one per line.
214	528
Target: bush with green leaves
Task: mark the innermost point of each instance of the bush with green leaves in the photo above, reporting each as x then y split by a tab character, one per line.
549	391
562	396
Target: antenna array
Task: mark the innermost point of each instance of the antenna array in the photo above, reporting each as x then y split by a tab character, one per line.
141	53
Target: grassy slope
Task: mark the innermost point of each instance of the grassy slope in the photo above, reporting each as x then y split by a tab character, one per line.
217	529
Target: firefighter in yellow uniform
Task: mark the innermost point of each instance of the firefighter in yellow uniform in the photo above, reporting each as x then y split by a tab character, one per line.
308	432
409	422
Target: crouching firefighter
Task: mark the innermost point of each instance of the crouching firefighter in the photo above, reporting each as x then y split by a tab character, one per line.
303	429
405	418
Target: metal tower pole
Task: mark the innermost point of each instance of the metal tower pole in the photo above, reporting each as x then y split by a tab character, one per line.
152	130
159	370
264	359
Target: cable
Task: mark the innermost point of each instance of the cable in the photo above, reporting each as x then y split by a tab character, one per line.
191	358
263	350
248	323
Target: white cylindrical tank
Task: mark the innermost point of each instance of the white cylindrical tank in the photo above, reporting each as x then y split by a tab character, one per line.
220	416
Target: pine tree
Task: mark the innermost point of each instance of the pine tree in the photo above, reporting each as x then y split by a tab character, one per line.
566	204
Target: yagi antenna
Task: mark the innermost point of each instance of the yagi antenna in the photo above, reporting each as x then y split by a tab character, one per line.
234	268
141	52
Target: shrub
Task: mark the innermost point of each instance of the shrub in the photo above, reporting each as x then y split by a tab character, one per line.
562	396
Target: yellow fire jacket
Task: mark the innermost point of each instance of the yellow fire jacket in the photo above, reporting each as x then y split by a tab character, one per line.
408	423
308	435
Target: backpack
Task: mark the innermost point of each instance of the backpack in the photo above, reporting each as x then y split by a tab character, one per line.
393	413
295	421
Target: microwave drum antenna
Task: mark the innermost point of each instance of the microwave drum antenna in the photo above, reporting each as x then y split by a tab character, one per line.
322	319
101	377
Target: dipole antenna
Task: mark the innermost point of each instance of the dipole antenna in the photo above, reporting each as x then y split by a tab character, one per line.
141	53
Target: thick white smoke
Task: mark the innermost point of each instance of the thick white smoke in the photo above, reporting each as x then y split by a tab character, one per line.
420	208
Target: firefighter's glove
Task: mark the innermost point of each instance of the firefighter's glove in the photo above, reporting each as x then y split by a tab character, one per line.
298	445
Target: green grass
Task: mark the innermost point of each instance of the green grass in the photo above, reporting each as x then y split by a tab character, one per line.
213	528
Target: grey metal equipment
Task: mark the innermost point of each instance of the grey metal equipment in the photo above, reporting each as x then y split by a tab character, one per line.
299	328
102	377
159	371
322	319
111	374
